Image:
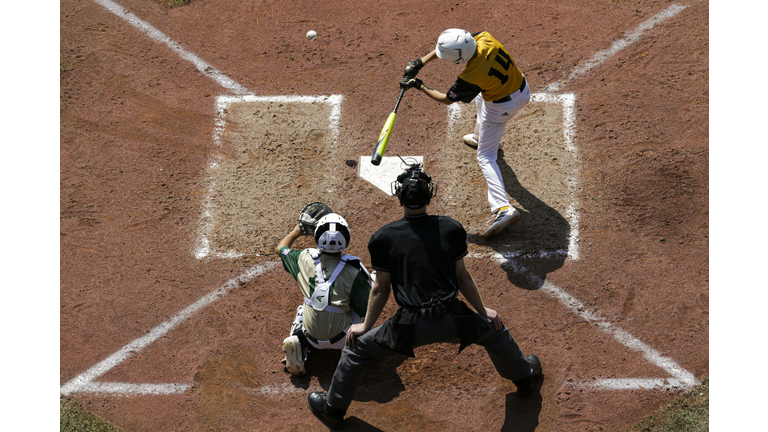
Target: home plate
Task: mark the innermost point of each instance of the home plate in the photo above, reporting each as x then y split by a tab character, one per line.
383	175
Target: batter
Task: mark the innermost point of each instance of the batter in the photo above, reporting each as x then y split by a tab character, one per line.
492	79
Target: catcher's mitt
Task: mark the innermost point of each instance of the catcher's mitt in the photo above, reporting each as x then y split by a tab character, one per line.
310	214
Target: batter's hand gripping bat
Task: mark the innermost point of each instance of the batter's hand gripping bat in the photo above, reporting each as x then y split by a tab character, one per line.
386	132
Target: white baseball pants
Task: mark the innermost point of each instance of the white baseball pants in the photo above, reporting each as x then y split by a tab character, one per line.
492	119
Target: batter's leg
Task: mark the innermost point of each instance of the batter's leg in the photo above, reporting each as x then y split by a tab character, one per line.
491	123
489	138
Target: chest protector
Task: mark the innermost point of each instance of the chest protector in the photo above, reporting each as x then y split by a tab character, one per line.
322	293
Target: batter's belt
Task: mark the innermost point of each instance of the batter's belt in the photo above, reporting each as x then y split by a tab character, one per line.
508	98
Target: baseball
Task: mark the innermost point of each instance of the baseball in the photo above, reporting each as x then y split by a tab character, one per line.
311	35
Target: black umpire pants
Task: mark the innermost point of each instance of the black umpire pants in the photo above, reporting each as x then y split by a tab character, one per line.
501	347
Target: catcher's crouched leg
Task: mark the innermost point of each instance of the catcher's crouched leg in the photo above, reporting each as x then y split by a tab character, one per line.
296	346
297	329
294	356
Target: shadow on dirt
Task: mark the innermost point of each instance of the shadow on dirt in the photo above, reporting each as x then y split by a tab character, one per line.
522	415
358	425
540	237
382	385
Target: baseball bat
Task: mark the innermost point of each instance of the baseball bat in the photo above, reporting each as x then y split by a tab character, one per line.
386	132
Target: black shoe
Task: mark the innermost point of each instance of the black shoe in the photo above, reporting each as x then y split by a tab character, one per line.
331	417
525	386
535	365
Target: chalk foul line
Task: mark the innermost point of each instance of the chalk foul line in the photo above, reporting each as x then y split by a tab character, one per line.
680	378
158	36
601	56
85	382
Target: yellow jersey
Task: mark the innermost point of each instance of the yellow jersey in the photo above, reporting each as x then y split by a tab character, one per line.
493	69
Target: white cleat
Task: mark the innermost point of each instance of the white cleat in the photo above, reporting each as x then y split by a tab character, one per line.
294	356
470	140
502	220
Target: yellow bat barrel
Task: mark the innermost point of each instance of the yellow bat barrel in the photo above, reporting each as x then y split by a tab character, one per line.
381	146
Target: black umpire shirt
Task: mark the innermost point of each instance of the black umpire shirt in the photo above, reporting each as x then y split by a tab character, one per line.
420	253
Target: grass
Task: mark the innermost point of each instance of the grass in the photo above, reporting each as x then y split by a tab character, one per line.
173	3
688	413
74	418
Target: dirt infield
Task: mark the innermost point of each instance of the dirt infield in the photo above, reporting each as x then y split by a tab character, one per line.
165	200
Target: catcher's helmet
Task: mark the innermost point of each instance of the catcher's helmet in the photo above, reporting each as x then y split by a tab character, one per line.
332	233
456	46
414	188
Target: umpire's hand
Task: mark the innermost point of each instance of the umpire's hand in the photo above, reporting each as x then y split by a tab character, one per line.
491	315
355	330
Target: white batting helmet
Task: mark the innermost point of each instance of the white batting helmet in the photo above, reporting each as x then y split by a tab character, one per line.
332	233
456	46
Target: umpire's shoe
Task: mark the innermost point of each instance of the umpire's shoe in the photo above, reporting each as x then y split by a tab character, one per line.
331	417
525	386
503	219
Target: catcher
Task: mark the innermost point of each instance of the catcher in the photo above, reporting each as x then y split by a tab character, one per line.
335	286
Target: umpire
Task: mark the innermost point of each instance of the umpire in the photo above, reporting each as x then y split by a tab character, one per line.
422	257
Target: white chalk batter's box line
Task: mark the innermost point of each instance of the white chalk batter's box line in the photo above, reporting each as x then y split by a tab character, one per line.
86	382
223	102
568	103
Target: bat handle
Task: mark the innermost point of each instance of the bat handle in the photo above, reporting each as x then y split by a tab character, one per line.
399	98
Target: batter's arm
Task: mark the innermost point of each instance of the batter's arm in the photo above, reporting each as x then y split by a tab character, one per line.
412	68
460	91
435	94
376	302
429	57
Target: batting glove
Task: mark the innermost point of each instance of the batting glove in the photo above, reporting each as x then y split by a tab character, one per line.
413	68
407	83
